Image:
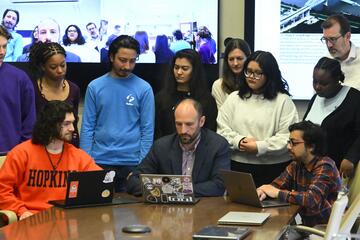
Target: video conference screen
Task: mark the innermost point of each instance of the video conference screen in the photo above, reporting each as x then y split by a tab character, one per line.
144	18
291	30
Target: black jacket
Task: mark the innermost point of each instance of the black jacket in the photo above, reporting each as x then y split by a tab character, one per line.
165	157
342	128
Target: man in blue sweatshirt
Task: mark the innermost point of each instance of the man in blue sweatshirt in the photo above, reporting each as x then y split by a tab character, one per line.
118	120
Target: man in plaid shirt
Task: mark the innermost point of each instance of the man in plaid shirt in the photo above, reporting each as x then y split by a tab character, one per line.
311	180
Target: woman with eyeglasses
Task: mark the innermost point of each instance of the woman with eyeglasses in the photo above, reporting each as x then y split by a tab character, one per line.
186	79
255	119
48	66
336	108
236	52
74	42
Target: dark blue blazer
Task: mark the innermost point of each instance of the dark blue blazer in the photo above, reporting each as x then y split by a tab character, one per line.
165	157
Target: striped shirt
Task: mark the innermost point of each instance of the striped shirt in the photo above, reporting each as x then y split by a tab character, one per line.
314	187
188	156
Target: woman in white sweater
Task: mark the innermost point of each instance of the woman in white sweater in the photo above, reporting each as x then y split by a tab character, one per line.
256	118
236	52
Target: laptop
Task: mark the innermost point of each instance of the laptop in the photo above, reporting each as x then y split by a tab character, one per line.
244	218
241	188
92	188
159	188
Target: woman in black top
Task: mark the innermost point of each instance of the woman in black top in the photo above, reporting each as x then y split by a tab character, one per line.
336	108
48	66
186	79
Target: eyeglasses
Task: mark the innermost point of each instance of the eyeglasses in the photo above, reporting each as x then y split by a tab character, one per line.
255	75
333	40
72	30
292	143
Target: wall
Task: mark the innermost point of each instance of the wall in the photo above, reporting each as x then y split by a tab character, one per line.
231	21
232	15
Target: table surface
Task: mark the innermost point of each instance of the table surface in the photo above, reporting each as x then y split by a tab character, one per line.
166	221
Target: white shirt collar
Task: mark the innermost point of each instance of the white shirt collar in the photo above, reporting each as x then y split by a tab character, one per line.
352	53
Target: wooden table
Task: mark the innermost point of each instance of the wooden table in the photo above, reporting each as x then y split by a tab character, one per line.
170	222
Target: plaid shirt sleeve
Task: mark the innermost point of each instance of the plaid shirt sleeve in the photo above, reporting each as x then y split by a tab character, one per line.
312	188
285	180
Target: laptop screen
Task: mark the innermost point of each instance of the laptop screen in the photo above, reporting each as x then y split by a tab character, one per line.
90	187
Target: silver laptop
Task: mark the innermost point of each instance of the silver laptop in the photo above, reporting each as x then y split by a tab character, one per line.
159	188
244	218
241	188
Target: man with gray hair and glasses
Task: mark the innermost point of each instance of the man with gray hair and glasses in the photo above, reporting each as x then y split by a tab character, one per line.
336	36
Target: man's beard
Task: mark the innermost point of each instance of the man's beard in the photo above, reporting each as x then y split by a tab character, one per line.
188	139
67	137
6	25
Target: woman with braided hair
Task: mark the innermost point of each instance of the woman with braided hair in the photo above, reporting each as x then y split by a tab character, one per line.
48	67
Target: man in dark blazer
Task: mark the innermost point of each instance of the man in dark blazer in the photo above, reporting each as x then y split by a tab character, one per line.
193	150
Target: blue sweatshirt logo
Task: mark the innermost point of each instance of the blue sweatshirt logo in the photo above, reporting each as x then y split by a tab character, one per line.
129	100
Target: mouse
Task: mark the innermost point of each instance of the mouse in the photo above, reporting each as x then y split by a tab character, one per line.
136	228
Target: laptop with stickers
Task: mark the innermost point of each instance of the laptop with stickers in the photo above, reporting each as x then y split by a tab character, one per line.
92	188
168	189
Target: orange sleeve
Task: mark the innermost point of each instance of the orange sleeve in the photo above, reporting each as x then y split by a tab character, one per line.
11	175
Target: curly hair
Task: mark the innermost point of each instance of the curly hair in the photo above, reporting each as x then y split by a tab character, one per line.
48	123
40	53
331	66
274	84
313	135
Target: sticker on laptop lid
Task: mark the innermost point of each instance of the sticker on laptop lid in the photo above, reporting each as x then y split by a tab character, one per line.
105	193
155	192
109	177
73	189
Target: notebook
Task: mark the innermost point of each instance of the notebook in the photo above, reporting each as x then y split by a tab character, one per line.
222	232
92	188
159	188
244	218
241	188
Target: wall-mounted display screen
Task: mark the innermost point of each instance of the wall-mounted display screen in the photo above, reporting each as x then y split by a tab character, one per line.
291	30
143	19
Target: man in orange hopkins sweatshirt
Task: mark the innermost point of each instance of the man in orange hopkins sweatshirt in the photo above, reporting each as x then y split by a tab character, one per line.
36	170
